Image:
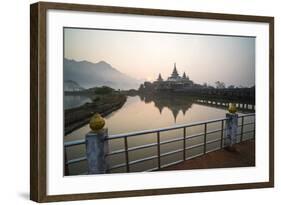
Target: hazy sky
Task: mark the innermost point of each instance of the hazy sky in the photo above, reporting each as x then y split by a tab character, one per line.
144	55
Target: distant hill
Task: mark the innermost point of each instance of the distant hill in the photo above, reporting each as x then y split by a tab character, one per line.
89	75
70	85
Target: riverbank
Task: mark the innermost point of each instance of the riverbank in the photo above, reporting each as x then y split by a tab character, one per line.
75	118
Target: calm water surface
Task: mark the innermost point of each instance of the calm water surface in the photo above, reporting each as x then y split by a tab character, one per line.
139	113
72	101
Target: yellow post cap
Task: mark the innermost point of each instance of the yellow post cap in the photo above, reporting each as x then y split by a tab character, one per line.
96	122
232	108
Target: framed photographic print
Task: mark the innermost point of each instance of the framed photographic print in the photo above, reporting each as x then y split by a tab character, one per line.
134	102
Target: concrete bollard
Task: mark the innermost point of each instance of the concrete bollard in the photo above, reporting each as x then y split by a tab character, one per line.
231	127
96	150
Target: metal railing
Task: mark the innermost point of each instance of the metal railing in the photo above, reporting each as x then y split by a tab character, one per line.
158	143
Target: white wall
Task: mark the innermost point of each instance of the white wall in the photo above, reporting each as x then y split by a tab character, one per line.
14	115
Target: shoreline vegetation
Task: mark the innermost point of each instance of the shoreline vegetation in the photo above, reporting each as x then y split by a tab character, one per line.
105	100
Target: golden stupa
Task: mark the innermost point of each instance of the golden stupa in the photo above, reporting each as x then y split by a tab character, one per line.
96	122
232	108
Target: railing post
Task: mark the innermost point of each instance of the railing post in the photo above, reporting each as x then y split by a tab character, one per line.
222	129
96	150
242	129
231	130
184	142
158	150
205	138
126	154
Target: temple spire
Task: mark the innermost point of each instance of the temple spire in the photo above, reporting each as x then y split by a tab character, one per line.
184	75
175	72
159	77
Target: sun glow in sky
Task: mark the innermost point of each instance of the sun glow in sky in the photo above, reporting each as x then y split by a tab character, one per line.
143	55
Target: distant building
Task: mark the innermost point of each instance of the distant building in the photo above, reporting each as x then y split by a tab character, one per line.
174	76
174	81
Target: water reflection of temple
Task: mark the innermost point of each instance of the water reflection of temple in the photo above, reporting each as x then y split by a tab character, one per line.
175	105
181	103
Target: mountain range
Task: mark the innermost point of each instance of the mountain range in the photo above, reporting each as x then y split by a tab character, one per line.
87	75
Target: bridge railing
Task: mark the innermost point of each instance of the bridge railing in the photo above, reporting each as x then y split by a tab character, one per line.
184	138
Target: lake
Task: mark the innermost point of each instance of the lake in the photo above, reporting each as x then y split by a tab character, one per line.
72	101
151	112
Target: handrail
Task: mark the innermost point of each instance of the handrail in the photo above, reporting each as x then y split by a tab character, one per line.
172	152
74	143
143	132
164	154
130	134
158	156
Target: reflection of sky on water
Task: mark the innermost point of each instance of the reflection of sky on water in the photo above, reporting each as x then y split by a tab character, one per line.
75	101
138	115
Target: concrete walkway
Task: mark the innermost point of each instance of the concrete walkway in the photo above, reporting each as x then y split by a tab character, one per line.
244	156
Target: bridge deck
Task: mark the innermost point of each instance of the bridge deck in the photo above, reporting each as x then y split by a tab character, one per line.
244	156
